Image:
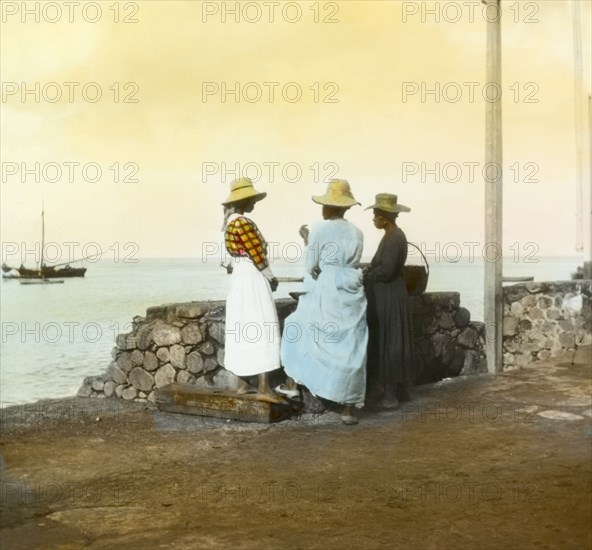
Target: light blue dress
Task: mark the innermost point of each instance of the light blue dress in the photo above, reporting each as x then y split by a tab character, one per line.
324	341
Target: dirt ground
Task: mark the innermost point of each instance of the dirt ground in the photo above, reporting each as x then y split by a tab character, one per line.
469	463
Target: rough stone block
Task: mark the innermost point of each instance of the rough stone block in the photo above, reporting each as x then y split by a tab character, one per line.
468	338
535	313
85	391
528	301
207	348
192	310
150	361
225	380
166	335
125	342
216	331
462	317
511	345
510	326
141	379
525	326
98	384
163	354
164	375
446	320
444	300
109	389
537	288
185	377
195	362
553	314
516	309
137	357
116	374
508	360
144	337
129	393
177	356
124	361
191	334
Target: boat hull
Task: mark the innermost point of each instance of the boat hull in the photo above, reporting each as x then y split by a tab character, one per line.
51	273
41	281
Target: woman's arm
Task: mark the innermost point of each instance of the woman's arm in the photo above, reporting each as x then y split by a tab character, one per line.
313	253
390	263
250	241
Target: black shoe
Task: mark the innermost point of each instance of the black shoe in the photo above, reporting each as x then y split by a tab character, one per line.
402	393
390	404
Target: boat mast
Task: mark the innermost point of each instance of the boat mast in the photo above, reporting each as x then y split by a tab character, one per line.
42	236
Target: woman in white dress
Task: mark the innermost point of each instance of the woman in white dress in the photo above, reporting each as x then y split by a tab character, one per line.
252	337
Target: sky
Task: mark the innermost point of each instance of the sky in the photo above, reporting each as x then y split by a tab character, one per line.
386	94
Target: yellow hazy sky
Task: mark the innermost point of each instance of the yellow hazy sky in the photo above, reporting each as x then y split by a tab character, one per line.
352	65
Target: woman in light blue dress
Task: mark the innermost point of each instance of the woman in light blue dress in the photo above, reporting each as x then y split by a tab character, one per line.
325	340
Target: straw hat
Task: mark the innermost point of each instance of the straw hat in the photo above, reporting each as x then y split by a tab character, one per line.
388	203
243	189
338	194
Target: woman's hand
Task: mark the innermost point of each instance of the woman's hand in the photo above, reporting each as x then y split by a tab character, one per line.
315	272
271	278
303	232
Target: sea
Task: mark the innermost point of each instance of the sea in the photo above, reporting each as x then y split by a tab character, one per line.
55	335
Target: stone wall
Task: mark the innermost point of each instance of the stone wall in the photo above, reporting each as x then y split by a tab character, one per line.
543	320
185	343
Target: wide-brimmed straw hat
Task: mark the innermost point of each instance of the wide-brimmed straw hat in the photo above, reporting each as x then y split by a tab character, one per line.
388	203
338	194
243	189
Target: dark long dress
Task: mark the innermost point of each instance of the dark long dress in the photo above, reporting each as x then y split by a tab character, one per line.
390	344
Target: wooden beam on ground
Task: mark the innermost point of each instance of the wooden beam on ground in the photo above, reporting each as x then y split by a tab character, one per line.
187	399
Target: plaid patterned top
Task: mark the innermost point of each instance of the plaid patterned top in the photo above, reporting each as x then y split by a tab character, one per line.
242	238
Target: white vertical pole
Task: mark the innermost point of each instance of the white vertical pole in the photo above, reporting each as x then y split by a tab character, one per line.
42	237
588	202
579	122
493	298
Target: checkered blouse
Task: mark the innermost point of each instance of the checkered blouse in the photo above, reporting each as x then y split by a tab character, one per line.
242	238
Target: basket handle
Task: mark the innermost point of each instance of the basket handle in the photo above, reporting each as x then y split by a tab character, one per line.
422	255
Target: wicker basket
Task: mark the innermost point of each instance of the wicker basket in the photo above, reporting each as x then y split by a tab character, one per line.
416	276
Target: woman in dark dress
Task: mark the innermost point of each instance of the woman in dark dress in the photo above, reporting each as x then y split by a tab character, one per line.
390	346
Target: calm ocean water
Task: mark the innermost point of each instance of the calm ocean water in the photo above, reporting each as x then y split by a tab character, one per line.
55	335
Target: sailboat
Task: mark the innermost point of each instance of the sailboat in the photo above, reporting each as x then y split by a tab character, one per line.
44	271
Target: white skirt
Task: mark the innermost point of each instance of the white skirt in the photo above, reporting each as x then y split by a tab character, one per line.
252	331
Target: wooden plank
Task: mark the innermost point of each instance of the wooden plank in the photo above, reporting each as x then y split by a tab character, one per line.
187	399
